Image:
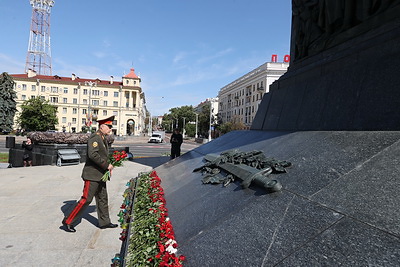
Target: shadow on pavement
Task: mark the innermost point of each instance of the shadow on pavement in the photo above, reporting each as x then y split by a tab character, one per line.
153	162
70	204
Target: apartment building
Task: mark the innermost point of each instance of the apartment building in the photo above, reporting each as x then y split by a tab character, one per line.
239	100
81	101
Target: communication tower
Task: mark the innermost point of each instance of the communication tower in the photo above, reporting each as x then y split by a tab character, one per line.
38	58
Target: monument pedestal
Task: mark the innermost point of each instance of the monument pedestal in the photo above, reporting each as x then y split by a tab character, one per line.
351	86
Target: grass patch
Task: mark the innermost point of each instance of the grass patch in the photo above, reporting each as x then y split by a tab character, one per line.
4	157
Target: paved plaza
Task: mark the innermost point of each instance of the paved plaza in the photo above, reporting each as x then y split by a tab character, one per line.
33	201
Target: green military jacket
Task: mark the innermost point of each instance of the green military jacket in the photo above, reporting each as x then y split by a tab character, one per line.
97	157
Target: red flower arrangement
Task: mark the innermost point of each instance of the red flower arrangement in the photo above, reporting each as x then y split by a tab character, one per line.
116	159
167	244
152	241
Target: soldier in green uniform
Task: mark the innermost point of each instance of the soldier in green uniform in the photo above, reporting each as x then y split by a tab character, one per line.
95	167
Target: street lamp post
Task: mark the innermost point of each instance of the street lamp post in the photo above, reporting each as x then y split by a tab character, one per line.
150	125
197	119
91	84
183	131
212	100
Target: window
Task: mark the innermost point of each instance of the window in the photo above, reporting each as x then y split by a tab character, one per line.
84	111
96	111
75	91
74	101
54	89
85	91
42	97
64	120
105	93
95	102
95	92
134	82
74	110
83	121
115	113
73	120
24	87
104	112
23	97
42	88
32	97
65	110
115	103
65	90
115	94
53	99
33	87
105	103
114	122
65	100
127	104
85	101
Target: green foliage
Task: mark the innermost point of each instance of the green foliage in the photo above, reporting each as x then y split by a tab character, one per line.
4	157
7	102
37	115
145	235
190	129
204	120
231	126
175	118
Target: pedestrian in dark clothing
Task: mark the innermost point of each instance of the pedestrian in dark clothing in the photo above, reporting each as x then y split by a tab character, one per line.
95	167
176	142
28	147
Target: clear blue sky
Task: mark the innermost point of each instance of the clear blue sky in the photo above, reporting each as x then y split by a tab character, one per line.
183	50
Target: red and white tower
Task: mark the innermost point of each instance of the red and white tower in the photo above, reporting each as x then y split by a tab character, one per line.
38	58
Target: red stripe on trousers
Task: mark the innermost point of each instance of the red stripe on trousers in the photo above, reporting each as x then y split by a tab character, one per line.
80	204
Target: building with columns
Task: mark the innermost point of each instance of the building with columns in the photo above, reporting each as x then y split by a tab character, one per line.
81	101
239	100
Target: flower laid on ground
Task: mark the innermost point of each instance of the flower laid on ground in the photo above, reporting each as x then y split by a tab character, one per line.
152	241
116	159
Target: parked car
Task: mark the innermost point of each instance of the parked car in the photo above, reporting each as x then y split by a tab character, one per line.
157	137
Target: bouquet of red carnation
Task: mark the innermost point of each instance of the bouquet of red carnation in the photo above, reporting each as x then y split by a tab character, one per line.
116	159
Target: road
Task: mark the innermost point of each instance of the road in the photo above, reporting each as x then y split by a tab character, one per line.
154	150
138	146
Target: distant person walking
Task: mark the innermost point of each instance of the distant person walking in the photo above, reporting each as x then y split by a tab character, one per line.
28	147
176	142
95	167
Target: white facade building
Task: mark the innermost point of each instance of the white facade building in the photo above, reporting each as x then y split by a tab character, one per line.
80	101
239	100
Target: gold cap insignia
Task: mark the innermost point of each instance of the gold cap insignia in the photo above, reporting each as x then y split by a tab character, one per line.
95	144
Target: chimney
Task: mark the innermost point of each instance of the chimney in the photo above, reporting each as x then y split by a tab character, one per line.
111	79
73	76
31	73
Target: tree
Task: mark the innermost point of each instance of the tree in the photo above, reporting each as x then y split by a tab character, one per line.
233	125
37	115
7	102
177	116
204	120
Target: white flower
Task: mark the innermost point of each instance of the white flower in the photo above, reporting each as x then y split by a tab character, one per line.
170	242
171	249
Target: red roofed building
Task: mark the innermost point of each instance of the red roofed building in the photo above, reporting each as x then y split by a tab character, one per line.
81	101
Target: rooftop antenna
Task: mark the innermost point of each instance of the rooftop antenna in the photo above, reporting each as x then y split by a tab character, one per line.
38	57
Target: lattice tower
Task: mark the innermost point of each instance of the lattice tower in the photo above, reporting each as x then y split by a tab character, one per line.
38	58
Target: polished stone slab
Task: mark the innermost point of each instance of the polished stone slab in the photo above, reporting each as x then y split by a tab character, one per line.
339	180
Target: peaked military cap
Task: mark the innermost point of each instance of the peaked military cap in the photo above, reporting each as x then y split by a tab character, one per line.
107	121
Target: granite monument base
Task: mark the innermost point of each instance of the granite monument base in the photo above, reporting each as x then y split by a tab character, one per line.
351	86
338	206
